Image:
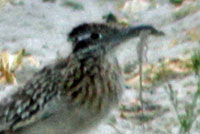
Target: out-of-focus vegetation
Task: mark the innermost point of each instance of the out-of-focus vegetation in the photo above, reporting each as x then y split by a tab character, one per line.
191	111
73	4
3	3
176	1
49	1
196	62
9	64
193	34
186	10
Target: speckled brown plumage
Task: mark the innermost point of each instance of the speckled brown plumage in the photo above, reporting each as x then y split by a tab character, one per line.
75	93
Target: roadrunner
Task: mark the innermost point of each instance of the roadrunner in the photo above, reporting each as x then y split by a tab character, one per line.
74	94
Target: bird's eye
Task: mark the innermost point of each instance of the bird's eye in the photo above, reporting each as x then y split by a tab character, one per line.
95	36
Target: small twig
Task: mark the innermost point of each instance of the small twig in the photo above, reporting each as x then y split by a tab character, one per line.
116	129
169	90
140	50
191	117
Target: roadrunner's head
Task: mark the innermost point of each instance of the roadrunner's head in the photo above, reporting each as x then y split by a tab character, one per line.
97	39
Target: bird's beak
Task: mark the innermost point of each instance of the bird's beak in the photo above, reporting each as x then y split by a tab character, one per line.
133	31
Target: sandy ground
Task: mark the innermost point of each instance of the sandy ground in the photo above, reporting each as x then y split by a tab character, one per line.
41	29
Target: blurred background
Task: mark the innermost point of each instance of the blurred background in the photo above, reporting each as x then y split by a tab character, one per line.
34	34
